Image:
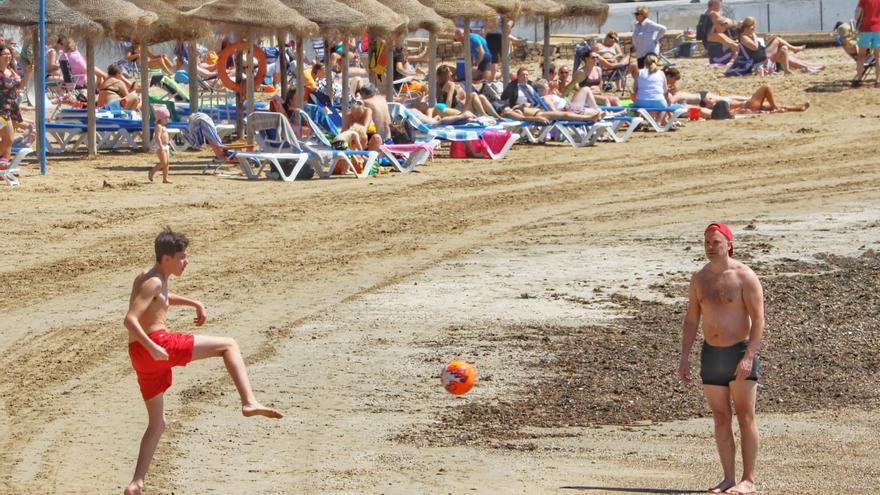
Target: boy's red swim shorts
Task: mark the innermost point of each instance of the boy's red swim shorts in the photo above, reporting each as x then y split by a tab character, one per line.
154	377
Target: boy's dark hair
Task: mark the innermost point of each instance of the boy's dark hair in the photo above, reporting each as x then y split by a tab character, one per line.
367	90
170	243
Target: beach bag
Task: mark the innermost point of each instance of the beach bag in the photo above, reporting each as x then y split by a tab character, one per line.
468	149
378	59
492	91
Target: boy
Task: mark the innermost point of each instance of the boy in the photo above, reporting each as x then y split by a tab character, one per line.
154	351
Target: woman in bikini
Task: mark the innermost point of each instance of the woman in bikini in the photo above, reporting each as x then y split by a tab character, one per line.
453	98
775	49
589	75
116	87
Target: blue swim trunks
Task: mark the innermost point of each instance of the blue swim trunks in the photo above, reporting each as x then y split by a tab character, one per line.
869	40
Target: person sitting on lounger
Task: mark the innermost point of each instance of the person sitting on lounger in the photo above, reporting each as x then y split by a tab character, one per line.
454	98
589	75
651	88
117	87
754	51
155	61
582	106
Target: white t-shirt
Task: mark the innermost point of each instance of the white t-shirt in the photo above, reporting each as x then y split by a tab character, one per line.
652	87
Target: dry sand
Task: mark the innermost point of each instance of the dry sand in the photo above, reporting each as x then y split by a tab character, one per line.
346	297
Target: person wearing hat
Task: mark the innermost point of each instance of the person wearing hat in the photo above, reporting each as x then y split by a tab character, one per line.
727	296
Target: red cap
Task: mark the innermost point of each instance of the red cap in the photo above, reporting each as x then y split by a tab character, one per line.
725	231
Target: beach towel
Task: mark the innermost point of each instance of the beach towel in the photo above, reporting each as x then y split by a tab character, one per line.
495	140
201	131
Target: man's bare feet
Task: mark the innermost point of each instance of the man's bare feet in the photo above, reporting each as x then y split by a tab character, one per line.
722	487
258	409
133	488
744	487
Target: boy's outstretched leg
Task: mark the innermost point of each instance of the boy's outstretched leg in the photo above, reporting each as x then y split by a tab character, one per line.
206	346
155	427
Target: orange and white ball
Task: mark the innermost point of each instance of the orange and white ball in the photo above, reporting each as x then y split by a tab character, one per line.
458	377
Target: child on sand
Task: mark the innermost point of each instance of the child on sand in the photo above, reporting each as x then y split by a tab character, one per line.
163	146
154	351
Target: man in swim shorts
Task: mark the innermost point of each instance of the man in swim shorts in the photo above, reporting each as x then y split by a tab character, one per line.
727	296
154	350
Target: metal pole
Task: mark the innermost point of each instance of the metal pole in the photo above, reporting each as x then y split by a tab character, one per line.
328	71
239	101
505	51
300	72
389	68
546	47
282	63
468	62
193	69
144	61
768	17
432	68
41	86
250	85
345	89
91	120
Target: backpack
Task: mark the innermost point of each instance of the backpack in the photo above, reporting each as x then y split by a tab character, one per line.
704	27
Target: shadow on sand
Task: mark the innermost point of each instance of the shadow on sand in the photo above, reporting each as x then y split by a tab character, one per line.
621	489
829	87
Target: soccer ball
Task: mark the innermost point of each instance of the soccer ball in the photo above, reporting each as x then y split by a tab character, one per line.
458	377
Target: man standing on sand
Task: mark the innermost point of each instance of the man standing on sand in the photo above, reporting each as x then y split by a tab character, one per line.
154	351
728	297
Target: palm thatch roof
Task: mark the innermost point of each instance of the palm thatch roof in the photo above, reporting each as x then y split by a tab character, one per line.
170	26
542	8
594	10
453	9
118	18
380	19
259	16
420	16
331	15
509	8
59	17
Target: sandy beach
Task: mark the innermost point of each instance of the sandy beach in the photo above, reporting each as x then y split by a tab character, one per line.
560	273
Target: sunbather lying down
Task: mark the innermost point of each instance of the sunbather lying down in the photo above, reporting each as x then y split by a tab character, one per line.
762	101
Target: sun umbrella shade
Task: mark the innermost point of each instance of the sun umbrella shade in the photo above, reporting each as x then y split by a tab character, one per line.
594	10
118	18
59	17
541	7
380	19
453	9
171	26
267	16
420	16
330	15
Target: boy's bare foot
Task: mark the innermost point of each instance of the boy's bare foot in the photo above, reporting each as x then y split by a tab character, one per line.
150	174
166	181
805	106
743	488
258	409
133	488
722	487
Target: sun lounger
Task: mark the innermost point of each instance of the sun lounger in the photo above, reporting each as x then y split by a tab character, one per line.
406	157
11	173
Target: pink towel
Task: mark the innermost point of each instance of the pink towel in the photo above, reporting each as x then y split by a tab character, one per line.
495	140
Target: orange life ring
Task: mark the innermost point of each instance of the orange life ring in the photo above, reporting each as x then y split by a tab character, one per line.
223	61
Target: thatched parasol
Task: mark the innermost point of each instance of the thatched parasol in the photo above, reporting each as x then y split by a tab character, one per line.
542	8
59	17
118	17
256	16
593	10
380	19
330	15
420	16
507	8
453	9
170	26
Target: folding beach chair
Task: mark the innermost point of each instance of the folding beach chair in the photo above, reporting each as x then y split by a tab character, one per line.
11	173
275	136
